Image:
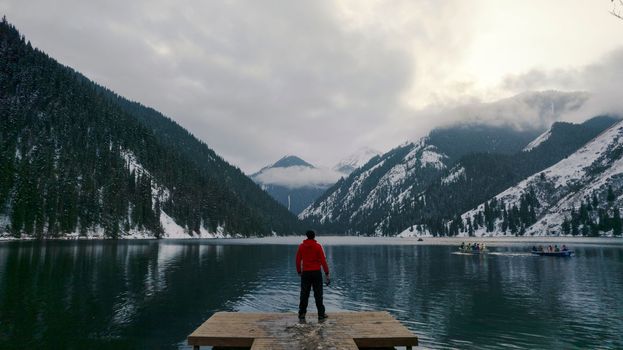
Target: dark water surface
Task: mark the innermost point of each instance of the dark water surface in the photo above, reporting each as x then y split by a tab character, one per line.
152	294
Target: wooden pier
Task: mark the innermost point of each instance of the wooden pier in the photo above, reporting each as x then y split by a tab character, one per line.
263	331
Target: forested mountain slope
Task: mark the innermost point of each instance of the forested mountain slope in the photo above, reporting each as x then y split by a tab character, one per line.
421	188
581	194
477	177
372	199
77	159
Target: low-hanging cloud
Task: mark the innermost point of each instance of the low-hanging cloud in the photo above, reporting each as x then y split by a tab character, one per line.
528	110
298	176
603	80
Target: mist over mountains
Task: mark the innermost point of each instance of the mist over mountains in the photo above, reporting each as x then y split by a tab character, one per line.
296	184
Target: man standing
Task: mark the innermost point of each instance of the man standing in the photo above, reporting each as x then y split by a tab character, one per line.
309	258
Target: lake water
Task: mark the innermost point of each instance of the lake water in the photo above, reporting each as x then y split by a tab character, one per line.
152	294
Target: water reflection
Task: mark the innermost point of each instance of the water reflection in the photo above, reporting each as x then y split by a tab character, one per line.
149	294
508	299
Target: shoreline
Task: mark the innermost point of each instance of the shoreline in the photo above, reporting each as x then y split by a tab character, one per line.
353	240
490	241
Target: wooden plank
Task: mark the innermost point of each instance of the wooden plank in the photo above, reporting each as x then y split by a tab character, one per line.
342	330
286	344
266	344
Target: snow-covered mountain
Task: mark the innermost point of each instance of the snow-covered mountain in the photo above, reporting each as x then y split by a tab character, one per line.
581	194
375	197
294	182
476	178
355	160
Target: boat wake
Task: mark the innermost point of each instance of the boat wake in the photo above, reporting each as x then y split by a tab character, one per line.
474	253
510	254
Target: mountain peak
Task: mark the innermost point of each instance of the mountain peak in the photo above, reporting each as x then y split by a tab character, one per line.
356	160
290	160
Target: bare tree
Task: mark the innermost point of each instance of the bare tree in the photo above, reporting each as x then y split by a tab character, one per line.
617	8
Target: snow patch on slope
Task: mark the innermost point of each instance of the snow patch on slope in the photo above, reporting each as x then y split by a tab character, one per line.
454	175
432	158
425	155
158	192
539	140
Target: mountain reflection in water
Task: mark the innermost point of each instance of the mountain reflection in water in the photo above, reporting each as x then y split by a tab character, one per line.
152	294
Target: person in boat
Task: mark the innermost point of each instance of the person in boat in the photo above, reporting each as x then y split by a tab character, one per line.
564	248
550	249
556	249
476	247
534	248
540	248
482	247
309	259
462	246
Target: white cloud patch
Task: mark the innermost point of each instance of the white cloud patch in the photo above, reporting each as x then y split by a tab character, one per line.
298	176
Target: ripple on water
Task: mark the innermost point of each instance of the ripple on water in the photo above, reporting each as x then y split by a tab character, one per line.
98	291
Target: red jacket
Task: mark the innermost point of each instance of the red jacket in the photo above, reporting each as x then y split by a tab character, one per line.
310	257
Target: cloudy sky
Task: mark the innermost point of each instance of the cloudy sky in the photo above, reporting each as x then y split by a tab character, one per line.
320	79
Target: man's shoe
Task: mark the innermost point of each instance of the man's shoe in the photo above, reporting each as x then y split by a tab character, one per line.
322	317
301	317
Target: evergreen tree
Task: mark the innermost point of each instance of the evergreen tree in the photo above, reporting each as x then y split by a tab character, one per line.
610	195
616	223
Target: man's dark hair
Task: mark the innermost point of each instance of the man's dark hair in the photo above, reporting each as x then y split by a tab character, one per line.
310	234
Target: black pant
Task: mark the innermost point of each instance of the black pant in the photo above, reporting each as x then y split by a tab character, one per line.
311	279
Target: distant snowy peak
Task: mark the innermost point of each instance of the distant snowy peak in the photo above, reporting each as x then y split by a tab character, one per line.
293	172
289	161
285	162
355	160
295	183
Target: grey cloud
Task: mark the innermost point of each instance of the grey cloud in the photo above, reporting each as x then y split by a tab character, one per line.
603	80
528	110
259	79
255	80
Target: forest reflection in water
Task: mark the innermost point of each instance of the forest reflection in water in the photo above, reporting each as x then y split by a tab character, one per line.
152	294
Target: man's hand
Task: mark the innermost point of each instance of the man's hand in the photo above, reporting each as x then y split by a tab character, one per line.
328	280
